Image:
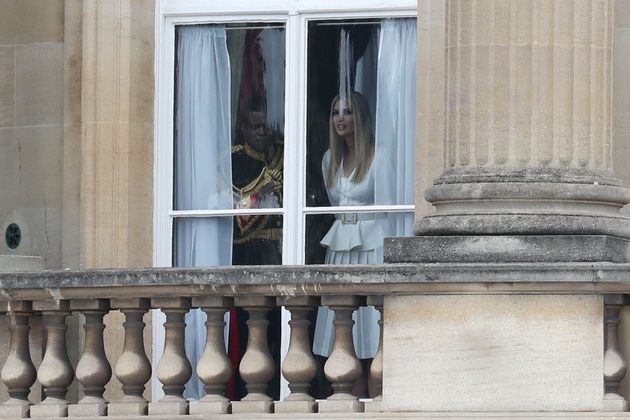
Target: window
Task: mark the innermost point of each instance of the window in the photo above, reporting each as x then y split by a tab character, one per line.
285	135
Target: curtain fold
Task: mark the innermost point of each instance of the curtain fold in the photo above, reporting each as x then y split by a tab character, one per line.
396	121
203	164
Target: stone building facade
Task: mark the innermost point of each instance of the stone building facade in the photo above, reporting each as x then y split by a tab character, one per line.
513	96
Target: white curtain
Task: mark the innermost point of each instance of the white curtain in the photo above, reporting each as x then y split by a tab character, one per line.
366	76
396	121
203	163
395	148
273	49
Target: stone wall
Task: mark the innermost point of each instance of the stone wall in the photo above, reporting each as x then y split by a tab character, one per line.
31	125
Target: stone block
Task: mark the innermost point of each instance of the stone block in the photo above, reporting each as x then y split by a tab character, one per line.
87	410
39	84
168	408
19	411
305	406
340	406
127	409
493	353
7	86
374	406
39	21
210	407
49	410
264	406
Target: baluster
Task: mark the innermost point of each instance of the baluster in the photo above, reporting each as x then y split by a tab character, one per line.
55	372
614	364
299	366
214	368
133	368
93	370
173	369
256	367
18	372
342	368
376	367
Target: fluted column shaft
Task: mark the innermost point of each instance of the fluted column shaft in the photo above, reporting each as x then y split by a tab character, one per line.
18	372
527	135
529	83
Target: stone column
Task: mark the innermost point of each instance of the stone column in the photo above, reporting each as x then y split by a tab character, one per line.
527	143
93	370
614	364
18	372
257	366
299	366
173	369
133	368
342	368
214	368
376	367
55	373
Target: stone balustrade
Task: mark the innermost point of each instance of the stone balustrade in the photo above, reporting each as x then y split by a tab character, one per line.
55	295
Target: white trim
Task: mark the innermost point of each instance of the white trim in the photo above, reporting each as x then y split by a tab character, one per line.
224	212
290	7
296	14
359	209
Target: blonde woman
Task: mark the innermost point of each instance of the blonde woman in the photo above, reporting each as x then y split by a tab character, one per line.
354	238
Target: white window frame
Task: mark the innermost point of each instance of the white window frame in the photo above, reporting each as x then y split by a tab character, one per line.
296	14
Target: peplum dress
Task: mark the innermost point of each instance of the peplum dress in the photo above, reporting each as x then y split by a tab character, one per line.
354	238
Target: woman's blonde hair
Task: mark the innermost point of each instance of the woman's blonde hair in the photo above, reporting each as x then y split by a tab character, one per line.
363	138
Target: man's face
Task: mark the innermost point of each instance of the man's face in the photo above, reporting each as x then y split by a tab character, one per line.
256	131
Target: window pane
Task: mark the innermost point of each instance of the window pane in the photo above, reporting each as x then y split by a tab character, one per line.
229	116
361	112
238	240
352	238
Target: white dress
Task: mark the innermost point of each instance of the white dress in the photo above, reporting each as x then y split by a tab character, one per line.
354	238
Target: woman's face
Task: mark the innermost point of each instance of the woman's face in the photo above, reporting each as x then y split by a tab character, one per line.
343	118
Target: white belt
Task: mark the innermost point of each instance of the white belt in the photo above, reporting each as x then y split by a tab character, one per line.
354	218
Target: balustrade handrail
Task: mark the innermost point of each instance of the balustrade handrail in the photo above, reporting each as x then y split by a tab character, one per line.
53	295
318	279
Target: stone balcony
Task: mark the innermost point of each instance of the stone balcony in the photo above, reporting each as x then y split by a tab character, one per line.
499	341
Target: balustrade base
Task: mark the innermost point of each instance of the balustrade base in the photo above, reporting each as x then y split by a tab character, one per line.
49	410
614	403
87	410
163	408
341	406
19	411
211	407
263	406
128	409
304	406
507	248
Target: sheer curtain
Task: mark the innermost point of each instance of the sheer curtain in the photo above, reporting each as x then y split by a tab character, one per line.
273	50
203	163
396	121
